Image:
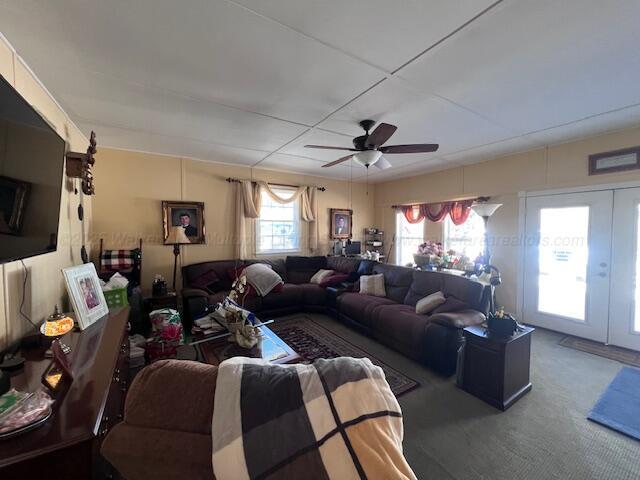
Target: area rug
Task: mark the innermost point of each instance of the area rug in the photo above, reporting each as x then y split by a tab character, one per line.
619	406
311	340
620	354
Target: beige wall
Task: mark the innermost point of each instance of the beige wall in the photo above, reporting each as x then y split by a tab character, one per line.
131	185
45	287
502	178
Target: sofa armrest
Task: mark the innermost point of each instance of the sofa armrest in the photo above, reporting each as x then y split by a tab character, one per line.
191	292
461	319
172	395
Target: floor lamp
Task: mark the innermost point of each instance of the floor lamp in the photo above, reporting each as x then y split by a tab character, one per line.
485	210
176	238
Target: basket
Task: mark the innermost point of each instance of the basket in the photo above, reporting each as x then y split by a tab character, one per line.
116	298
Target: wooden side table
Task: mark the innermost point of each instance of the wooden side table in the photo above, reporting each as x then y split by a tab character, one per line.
496	369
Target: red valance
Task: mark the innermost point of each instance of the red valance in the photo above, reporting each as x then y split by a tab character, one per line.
458	211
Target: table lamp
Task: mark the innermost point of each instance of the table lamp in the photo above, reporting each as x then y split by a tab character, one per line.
176	238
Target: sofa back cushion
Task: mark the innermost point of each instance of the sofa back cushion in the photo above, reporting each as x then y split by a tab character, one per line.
220	267
424	283
276	264
471	292
301	269
397	280
343	264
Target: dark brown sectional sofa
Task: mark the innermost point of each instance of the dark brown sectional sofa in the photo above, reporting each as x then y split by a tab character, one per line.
433	339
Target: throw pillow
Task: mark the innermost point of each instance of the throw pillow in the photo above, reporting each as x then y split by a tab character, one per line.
262	277
372	285
208	281
429	303
333	280
451	304
320	276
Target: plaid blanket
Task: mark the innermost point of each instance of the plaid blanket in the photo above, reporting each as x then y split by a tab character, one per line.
118	260
334	419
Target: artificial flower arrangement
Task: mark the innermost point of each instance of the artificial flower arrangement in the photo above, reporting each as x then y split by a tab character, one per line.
429	254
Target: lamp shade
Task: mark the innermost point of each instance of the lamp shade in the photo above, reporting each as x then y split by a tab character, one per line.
367	157
486	209
177	235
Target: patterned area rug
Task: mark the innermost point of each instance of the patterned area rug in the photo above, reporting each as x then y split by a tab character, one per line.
312	341
620	354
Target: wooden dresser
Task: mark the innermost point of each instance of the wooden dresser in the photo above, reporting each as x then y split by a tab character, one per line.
67	446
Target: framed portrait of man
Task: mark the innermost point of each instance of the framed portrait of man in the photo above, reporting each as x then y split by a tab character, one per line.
183	222
341	223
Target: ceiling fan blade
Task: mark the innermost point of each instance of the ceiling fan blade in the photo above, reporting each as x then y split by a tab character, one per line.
381	134
413	148
336	162
331	148
382	163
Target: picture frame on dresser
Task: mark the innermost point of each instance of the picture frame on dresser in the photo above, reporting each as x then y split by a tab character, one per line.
85	294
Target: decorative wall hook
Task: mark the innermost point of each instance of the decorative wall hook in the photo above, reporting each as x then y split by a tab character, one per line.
79	165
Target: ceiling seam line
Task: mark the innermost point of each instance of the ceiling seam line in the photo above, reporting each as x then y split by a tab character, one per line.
81	119
446	37
174	93
324	119
310	37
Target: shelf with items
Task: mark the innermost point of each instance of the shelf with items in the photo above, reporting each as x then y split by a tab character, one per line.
374	240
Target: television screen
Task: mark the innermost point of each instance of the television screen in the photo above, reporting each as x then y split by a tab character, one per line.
352	248
31	168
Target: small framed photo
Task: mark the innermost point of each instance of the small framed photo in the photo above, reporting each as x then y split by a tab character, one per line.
183	222
341	223
85	293
13	198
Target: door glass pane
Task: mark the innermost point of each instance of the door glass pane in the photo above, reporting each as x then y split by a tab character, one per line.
562	261
636	321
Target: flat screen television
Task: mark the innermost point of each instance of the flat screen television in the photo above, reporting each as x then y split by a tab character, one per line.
31	168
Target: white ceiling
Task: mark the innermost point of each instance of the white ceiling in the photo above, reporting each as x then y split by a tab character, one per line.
251	81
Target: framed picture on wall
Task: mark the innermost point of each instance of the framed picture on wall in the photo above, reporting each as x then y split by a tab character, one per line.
85	293
341	223
183	222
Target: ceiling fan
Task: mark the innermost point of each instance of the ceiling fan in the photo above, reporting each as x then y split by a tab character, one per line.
369	149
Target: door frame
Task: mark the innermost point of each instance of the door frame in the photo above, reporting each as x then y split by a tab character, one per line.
522	219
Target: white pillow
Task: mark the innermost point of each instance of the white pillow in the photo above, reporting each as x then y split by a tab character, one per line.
320	276
430	302
262	277
372	285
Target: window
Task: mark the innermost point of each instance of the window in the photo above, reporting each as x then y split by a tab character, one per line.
278	228
467	238
408	237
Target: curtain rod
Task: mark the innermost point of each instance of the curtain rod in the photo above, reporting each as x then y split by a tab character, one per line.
235	180
477	199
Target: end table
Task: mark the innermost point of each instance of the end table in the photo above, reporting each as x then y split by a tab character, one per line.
496	369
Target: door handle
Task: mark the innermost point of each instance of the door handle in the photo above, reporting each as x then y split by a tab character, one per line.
602	274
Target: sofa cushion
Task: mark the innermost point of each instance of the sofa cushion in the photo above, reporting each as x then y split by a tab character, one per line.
429	303
396	280
320	276
472	292
220	267
451	304
208	281
291	295
400	327
313	294
301	269
253	303
359	307
343	264
372	285
334	280
423	283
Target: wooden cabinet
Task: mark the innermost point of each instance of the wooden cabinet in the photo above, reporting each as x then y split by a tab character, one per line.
496	369
67	446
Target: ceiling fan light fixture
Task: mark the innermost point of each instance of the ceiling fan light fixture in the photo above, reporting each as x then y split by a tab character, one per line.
367	157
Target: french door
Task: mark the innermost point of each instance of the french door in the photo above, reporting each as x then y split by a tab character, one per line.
568	245
582	265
